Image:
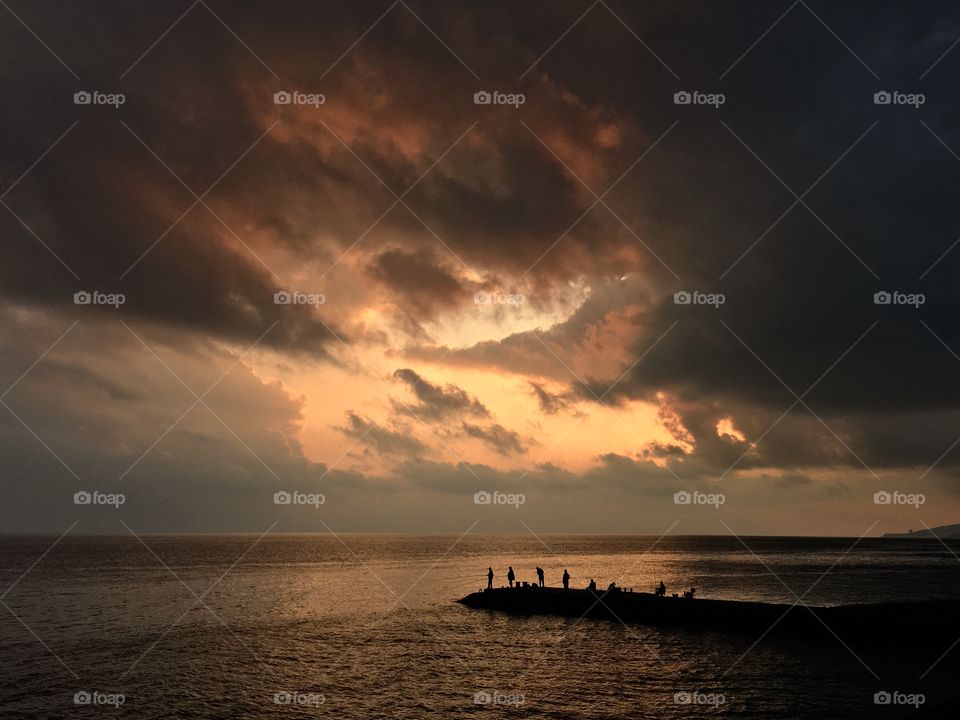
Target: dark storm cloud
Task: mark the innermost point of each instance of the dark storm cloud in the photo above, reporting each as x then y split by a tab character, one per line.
112	217
417	281
437	402
799	282
109	210
505	442
799	299
699	212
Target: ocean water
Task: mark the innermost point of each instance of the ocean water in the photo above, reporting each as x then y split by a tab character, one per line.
365	626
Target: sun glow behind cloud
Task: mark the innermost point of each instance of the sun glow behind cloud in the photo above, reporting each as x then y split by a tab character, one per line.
364	390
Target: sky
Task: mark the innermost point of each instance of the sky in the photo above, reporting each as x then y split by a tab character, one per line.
586	298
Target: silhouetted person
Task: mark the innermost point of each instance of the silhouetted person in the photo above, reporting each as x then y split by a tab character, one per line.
661	590
592	586
540	576
489	578
566	580
510	576
691	593
612	586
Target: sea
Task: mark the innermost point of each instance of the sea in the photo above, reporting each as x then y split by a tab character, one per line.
367	626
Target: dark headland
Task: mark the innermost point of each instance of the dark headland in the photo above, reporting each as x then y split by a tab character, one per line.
944	532
916	622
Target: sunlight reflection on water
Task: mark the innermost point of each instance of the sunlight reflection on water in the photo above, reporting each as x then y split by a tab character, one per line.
371	627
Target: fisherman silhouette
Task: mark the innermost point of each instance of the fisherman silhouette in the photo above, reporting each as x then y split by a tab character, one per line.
593	585
661	590
540	576
566	580
510	576
612	586
489	578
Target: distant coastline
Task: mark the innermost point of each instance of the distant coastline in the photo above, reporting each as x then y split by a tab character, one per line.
941	531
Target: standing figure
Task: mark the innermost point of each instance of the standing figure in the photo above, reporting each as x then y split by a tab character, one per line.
490	578
566	580
510	576
540	576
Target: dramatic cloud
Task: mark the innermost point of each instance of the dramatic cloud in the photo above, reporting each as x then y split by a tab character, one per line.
505	442
435	402
552	403
652	294
380	438
417	281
